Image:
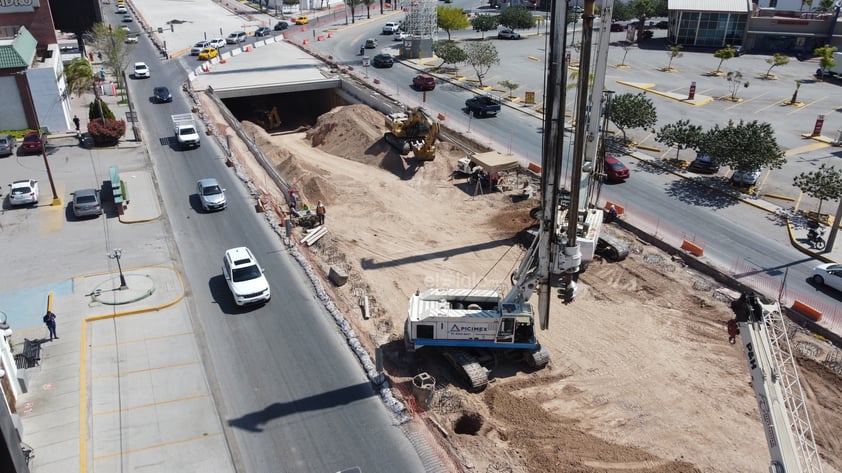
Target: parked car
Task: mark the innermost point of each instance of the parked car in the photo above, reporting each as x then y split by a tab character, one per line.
236	37
208	53
162	94
370	43
618	27
23	192
744	178
245	277
703	165
281	25
508	34
7	145
662	24
33	142
302	20
141	70
828	274
401	35
424	82
86	203
211	194
615	170
198	47
216	43
382	60
263	31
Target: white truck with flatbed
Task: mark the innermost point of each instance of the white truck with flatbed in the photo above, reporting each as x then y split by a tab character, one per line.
186	133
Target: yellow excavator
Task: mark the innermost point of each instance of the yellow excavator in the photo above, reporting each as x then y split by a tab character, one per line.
415	132
268	119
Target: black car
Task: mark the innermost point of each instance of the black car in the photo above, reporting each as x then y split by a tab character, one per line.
162	94
263	31
382	60
281	25
703	165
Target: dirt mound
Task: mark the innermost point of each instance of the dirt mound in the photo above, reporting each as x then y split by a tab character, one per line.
352	132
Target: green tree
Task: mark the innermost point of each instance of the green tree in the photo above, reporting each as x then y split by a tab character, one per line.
642	9
795	94
632	111
723	55
825	54
735	80
826	6
111	42
368	4
621	12
510	86
744	146
674	52
483	23
79	76
352	4
449	52
681	135
661	8
451	18
481	56
825	183
776	60
517	18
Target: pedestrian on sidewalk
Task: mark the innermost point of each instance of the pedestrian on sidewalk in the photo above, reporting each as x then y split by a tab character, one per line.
320	212
50	322
76	121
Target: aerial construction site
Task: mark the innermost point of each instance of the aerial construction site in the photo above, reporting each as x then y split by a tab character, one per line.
625	366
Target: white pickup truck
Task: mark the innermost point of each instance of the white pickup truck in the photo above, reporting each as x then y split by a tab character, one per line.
186	134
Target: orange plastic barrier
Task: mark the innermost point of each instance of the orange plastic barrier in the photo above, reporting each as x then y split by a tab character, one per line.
320	38
306	41
534	168
330	35
807	311
620	209
692	248
222	60
248	49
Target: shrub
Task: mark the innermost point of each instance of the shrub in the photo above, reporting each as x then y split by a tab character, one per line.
106	132
93	110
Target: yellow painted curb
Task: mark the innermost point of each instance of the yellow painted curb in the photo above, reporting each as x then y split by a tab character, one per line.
533	58
780	197
649	148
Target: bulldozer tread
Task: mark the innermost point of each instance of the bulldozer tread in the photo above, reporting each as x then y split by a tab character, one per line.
538	358
469	367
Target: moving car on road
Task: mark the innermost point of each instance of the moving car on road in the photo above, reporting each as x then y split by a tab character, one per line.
370	43
86	203
23	192
383	60
216	43
211	194
245	277
208	53
162	94
281	25
302	20
615	170
424	82
263	31
401	35
236	37
828	274
141	70
198	47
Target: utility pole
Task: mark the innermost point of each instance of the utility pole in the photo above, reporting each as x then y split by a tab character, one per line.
56	201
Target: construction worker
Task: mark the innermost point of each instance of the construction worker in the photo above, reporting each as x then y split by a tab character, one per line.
320	212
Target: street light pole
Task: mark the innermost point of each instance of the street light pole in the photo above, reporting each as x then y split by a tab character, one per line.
116	254
56	201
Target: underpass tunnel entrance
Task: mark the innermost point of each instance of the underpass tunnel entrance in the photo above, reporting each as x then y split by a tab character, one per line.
284	111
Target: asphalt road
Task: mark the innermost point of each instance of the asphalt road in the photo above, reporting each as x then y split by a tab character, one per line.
291	395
